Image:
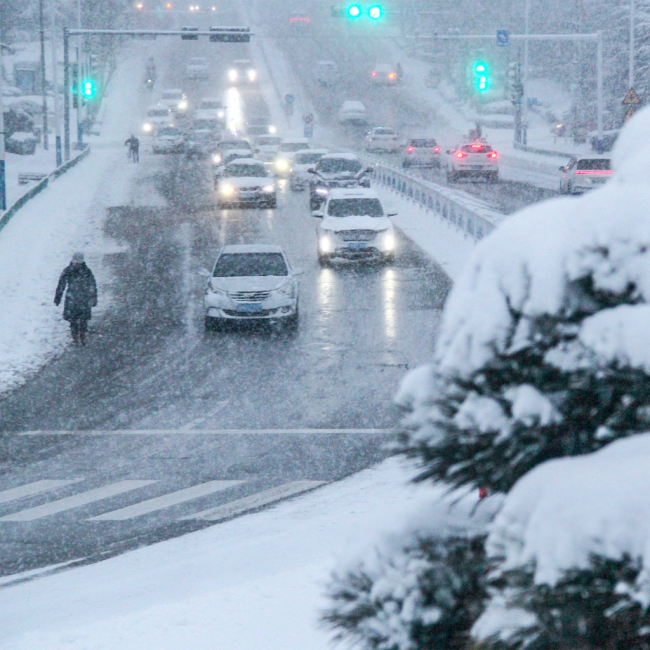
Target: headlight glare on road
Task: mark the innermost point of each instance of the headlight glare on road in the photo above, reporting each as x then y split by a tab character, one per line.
269	188
227	189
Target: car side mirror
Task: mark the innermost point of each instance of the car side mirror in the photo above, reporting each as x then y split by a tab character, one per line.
317	213
562	169
312	170
391	214
370	170
256	150
204	273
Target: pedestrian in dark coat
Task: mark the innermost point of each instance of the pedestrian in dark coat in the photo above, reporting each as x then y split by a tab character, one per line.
80	297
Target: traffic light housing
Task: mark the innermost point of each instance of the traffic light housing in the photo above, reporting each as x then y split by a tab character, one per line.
481	73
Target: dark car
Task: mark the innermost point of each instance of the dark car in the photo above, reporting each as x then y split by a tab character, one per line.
335	170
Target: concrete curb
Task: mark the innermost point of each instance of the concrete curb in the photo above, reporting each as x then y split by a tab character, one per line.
544	152
40	186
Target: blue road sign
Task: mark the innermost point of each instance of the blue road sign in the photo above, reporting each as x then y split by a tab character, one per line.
503	37
289	99
309	129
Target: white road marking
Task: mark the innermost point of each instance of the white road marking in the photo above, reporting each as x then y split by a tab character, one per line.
209	432
82	499
184	236
220	406
255	501
30	489
26	575
166	501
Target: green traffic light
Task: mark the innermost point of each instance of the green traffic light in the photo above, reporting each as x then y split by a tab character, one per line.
480	67
481	71
354	11
375	12
88	88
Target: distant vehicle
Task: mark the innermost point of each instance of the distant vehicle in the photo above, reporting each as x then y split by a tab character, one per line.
176	100
421	152
299	22
157	116
252	282
580	175
302	161
353	112
228	145
213	106
259	126
335	170
197	68
242	71
200	143
383	73
168	139
327	73
266	147
285	154
246	181
226	157
206	120
355	225
476	160
382	138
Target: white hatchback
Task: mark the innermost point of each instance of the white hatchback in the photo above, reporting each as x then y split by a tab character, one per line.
475	160
355	226
382	138
353	112
252	283
584	174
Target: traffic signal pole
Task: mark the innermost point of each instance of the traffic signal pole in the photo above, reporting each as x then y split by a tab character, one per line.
591	38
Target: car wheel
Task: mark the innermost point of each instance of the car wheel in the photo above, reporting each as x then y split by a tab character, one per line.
213	324
493	177
389	258
323	260
292	323
273	204
451	177
569	188
406	165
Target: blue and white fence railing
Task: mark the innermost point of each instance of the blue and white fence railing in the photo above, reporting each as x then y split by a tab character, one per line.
471	216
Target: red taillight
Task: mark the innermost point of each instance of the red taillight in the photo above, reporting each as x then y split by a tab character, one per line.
374	74
410	149
460	154
492	155
597	172
436	150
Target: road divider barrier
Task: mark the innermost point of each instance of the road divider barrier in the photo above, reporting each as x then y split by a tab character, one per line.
470	216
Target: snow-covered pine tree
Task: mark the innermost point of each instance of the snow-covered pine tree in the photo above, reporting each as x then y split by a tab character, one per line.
426	596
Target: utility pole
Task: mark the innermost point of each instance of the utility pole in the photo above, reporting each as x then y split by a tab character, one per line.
525	79
66	94
3	183
43	82
55	87
632	39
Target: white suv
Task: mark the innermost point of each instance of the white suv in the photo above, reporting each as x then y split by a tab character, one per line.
382	138
252	283
355	226
475	160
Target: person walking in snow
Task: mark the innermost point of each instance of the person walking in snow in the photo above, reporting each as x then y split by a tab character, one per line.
80	297
134	148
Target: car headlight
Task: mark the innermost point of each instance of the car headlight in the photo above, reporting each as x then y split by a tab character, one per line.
221	114
217	291
282	164
182	105
272	129
322	191
287	290
147	128
232	75
325	243
269	188
252	75
226	189
389	241
216	159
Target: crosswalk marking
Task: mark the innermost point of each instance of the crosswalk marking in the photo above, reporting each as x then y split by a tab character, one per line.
165	501
30	489
255	501
82	499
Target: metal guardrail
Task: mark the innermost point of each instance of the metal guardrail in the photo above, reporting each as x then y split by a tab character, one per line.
472	217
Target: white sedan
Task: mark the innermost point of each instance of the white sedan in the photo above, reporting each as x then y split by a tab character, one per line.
168	139
246	182
584	174
197	68
252	283
382	138
476	160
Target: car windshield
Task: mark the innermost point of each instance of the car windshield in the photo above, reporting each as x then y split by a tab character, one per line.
307	158
208	104
423	144
594	164
239	265
271	140
168	130
172	94
355	208
234	144
158	112
337	165
293	146
242	171
202	136
384	132
242	65
476	148
234	155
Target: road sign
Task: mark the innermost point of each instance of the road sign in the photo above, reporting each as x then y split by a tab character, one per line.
631	98
308	118
288	109
503	37
289	99
630	111
309	129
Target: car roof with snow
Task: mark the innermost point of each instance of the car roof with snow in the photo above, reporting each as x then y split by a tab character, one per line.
252	162
338	156
352	193
322	152
353	103
295	141
251	248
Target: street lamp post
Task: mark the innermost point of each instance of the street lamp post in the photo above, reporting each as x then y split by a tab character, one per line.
3	182
632	34
43	82
55	86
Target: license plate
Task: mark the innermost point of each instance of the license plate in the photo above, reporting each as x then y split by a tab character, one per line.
476	166
598	181
250	307
248	195
357	245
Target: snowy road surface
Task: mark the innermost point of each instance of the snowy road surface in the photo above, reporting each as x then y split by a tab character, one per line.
150	367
